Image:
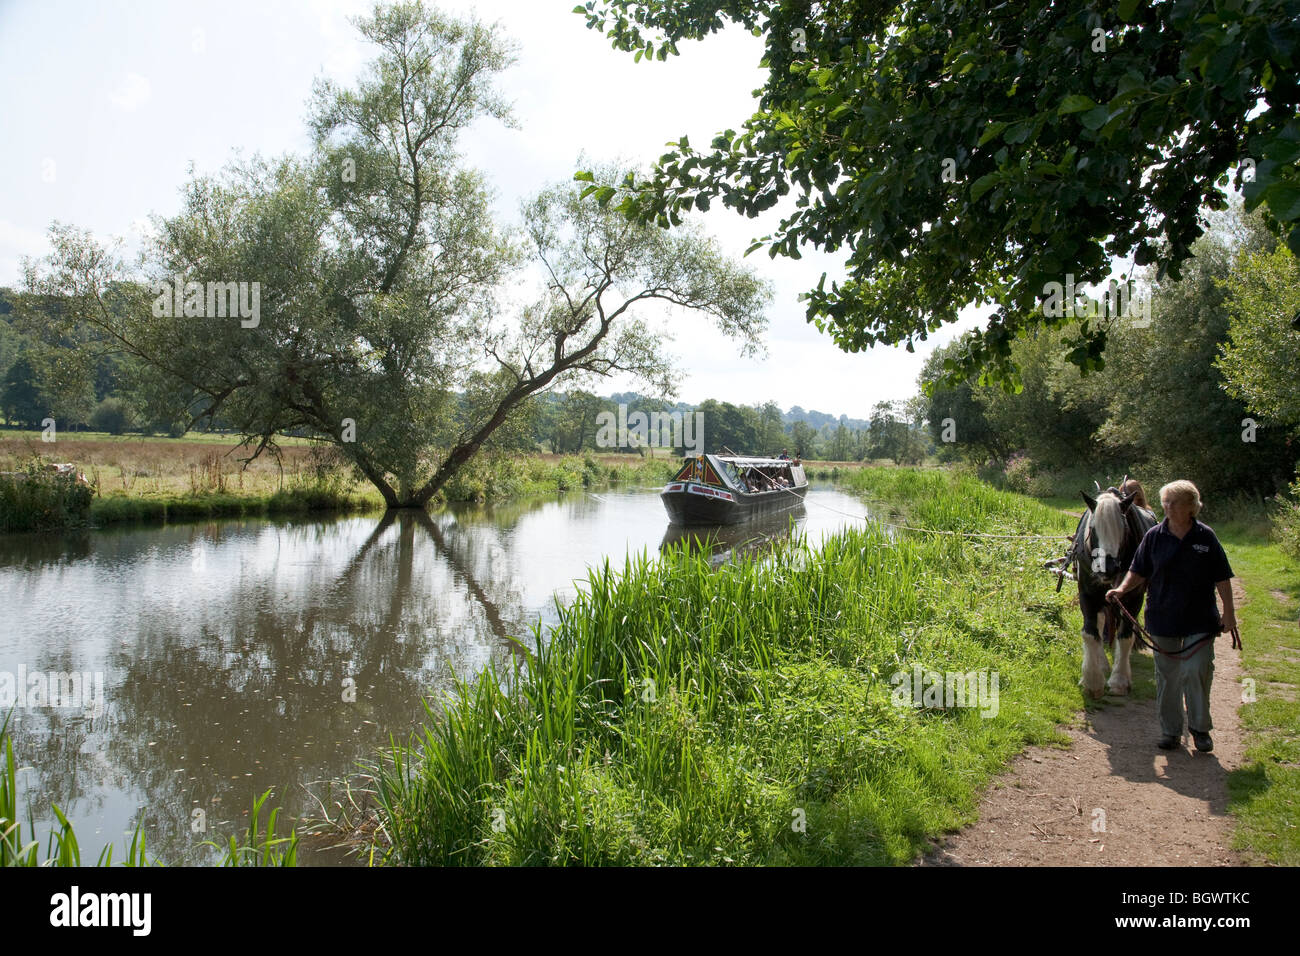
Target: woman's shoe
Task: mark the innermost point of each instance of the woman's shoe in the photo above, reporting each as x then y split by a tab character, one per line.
1203	742
1167	742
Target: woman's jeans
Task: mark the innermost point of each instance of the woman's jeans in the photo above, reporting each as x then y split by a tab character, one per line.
1189	677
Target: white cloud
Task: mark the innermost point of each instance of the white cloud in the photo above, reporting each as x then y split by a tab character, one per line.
18	241
130	92
342	49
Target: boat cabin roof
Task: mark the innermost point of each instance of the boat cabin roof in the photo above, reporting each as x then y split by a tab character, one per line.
757	462
729	471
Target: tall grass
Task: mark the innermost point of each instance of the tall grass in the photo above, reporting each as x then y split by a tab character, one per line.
683	714
953	501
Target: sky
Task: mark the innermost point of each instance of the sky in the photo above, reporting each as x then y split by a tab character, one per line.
108	106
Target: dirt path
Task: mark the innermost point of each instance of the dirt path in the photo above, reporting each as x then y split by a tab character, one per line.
1113	798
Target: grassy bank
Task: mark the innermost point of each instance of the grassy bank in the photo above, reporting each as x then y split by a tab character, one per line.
122	508
1264	794
161	479
496	478
680	714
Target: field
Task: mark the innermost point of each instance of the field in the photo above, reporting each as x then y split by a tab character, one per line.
154	467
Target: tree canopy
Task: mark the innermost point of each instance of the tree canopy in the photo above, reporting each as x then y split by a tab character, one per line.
968	153
1260	361
1193	394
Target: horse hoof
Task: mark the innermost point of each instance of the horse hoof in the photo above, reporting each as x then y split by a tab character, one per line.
1120	690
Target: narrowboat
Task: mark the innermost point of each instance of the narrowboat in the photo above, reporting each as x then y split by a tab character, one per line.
713	489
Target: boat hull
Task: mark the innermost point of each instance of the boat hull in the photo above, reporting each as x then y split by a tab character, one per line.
692	503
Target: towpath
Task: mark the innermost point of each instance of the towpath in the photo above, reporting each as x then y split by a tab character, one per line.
1112	798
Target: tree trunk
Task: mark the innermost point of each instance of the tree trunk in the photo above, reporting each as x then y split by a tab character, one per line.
374	476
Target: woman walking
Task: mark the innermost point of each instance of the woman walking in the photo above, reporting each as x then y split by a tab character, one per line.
1183	563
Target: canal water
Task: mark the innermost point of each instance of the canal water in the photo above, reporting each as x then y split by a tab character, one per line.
221	659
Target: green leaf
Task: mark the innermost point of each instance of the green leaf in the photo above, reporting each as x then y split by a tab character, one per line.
1127	8
991	131
1283	201
584	176
1096	118
1017	132
1223	63
1076	103
983	185
1130	81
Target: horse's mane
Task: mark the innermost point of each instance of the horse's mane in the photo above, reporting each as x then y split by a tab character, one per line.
1108	519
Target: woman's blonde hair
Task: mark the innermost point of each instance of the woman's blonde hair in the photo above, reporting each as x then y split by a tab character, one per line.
1182	490
1139	493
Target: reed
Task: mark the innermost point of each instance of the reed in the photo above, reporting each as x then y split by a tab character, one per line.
260	847
683	714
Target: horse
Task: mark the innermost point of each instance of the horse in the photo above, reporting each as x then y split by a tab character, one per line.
1103	547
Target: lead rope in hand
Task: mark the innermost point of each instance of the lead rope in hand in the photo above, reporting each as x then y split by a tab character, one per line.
1145	638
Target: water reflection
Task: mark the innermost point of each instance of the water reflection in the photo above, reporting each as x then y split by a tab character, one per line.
726	542
242	655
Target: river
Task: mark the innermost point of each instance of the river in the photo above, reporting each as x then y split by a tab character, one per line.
227	657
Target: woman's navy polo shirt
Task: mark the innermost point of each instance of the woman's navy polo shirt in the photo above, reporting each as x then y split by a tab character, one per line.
1181	575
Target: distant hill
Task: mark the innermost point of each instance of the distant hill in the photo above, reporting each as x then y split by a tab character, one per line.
818	420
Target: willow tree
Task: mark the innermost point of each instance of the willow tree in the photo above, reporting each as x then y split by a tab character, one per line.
379	278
